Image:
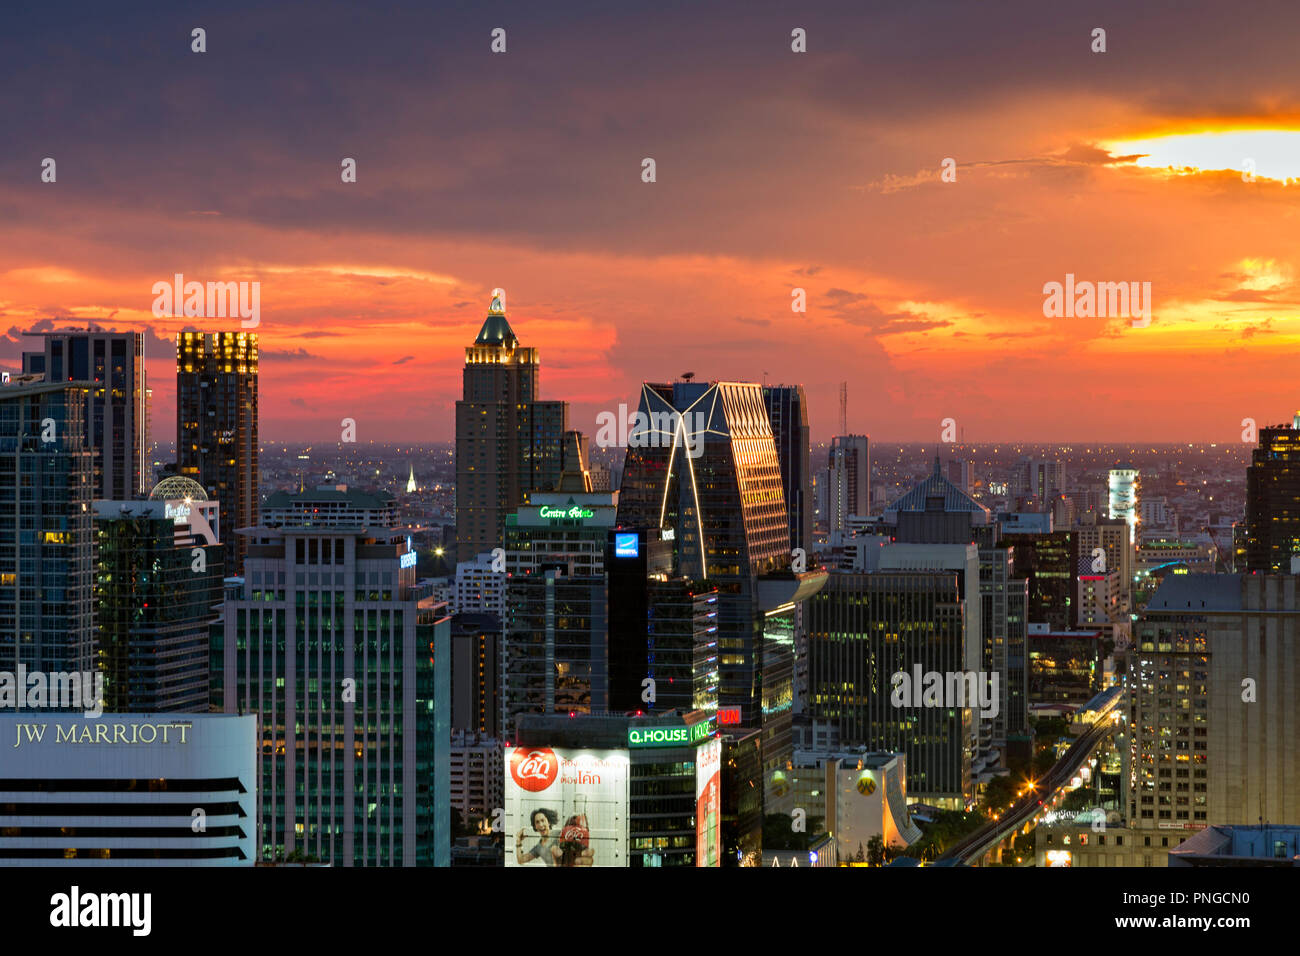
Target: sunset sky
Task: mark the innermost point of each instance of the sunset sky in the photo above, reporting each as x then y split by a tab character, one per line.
775	170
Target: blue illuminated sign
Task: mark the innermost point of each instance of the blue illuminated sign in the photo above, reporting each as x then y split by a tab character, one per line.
626	545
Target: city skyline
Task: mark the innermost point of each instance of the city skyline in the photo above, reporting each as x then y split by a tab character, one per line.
774	172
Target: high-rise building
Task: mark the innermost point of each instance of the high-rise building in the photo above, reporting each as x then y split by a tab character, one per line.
1125	493
1107	544
347	662
157	587
478	588
555	655
1212	679
111	366
702	463
848	490
863	629
47	543
508	441
216	427
476	673
961	472
787	410
477	776
1050	564
1272	528
1037	478
661	628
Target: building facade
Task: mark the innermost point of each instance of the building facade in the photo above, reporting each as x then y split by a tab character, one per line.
111	367
216	427
347	663
508	441
47	546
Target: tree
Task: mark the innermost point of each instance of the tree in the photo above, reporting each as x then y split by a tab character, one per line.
876	850
861	857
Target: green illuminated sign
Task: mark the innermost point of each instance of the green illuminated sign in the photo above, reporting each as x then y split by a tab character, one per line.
575	512
680	736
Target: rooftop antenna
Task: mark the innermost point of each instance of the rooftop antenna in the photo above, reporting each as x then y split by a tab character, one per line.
844	408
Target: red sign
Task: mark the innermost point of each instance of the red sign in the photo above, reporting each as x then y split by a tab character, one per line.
534	769
728	715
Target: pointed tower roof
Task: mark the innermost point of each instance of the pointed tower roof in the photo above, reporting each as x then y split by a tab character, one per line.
496	330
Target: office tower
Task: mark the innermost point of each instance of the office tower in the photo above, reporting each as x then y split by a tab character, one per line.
347	662
157	587
1064	513
935	511
508	441
125	790
1064	666
1004	598
1049	562
821	498
47	573
1037	477
476	673
476	777
848	490
661	628
600	478
216	427
787	411
1272	526
1113	538
554	646
742	796
111	366
938	512
705	467
1097	602
1214	707
961	472
1125	492
560	529
863	629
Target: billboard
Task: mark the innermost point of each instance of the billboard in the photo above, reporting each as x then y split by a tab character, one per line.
566	807
708	803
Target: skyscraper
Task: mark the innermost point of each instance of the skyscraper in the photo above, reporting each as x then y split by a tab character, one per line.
111	365
508	442
216	427
1125	487
346	660
703	464
787	410
1212	676
849	489
46	535
863	629
1273	499
157	586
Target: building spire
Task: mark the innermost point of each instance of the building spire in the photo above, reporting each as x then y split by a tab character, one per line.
496	330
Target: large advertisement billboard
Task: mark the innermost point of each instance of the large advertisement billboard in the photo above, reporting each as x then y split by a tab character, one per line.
566	807
708	803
